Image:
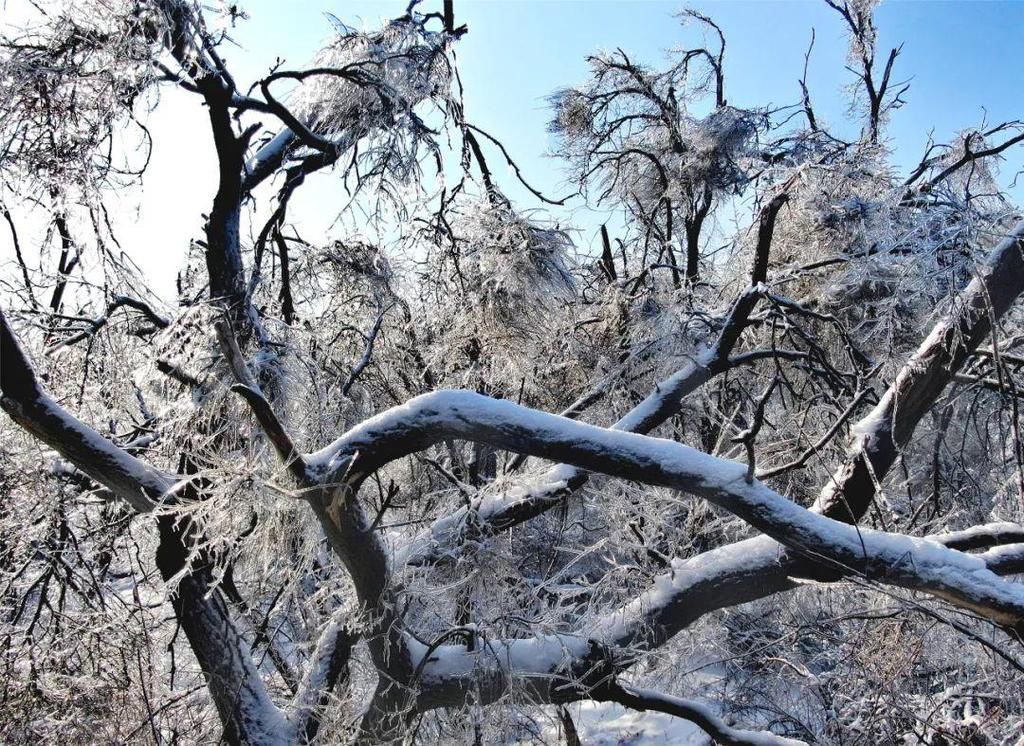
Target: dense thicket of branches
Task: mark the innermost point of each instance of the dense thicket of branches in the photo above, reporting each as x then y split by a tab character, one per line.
446	475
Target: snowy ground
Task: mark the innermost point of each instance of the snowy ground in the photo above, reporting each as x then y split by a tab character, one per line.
609	724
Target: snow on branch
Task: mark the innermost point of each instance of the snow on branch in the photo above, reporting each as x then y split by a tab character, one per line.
755	568
137	483
358	84
917	564
502	511
701	715
328	666
890	425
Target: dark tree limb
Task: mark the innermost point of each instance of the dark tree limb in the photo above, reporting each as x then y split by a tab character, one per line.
645	699
94	326
249	389
21	396
246	711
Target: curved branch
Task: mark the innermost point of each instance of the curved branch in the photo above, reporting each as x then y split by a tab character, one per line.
103	319
515	167
249	389
888	558
701	715
328	668
969	156
21	396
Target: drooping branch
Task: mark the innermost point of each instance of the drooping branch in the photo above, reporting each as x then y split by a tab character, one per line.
513	165
21	396
701	715
19	257
716	60
249	389
238	692
364	360
556	667
969	156
376	104
759	567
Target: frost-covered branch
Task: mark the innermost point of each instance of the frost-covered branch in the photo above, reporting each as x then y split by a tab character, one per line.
920	382
888	558
647	699
120	301
237	690
249	389
755	568
327	668
495	513
21	396
969	154
403	566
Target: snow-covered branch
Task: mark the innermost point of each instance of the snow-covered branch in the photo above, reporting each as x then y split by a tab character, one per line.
890	425
328	667
128	477
646	699
889	558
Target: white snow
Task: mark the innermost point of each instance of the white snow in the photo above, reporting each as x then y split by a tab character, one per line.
912	562
539	655
611	724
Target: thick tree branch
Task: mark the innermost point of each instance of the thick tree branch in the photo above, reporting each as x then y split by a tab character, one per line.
759	567
919	383
237	690
701	715
21	396
327	669
888	558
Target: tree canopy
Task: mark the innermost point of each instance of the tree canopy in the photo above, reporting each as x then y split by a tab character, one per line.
754	465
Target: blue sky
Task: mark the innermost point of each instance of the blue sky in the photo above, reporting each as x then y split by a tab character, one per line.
960	57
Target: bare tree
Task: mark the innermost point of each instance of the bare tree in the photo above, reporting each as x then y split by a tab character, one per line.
335	467
631	139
